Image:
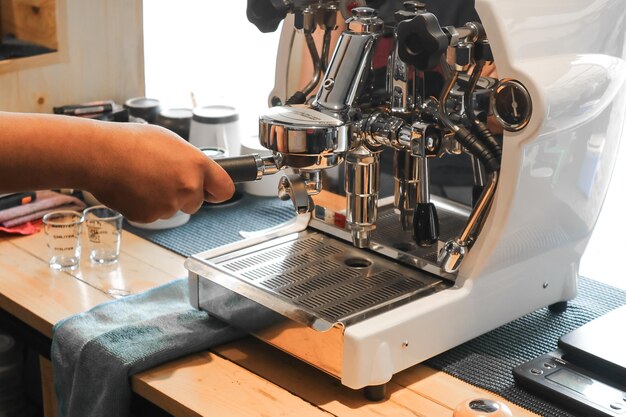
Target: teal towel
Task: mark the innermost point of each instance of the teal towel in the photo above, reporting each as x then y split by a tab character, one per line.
95	353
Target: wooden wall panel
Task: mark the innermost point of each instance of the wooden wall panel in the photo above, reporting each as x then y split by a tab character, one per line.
31	20
100	56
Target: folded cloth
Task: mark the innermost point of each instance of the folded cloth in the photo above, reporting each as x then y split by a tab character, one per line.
45	202
94	353
28	228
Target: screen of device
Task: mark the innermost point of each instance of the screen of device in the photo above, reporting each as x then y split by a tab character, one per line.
595	391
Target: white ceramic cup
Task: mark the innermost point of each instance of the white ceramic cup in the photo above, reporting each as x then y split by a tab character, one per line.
215	126
178	219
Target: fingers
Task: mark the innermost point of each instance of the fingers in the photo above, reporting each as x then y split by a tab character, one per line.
218	186
193	205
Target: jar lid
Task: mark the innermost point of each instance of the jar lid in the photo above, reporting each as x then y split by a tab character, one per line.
215	114
214	153
142	103
176	113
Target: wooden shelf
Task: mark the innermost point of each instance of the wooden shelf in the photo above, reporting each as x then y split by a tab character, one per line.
38	22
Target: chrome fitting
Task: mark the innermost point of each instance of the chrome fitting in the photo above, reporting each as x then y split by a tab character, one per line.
451	255
293	187
364	20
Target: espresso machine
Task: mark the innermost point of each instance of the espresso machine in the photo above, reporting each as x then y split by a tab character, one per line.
380	284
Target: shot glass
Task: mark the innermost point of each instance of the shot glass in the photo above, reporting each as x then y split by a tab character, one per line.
104	231
62	229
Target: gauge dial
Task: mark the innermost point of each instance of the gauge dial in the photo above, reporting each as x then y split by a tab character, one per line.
512	105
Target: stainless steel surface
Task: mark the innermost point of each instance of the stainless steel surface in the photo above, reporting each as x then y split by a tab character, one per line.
473	82
362	188
293	187
312	181
348	122
442	110
423	191
317	280
305	138
452	255
401	86
405	173
381	129
364	20
480	178
327	18
350	64
390	235
390	240
269	165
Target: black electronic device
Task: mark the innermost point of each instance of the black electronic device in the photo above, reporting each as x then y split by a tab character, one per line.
8	201
577	389
598	345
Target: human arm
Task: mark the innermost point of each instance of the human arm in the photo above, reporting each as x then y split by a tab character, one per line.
144	171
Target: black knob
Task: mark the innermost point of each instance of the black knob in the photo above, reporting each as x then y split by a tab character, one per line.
421	42
266	14
482	51
425	224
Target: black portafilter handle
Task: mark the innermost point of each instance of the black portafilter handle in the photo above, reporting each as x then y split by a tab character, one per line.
242	168
425	224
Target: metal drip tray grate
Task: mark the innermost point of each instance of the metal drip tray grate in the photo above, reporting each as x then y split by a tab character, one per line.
328	278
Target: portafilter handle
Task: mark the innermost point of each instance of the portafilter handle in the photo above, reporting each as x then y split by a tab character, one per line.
247	168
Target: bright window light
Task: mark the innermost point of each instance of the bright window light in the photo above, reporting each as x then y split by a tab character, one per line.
209	49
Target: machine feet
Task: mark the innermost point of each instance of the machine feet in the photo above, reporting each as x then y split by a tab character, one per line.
559	307
375	392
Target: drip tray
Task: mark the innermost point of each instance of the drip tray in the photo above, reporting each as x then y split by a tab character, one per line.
326	278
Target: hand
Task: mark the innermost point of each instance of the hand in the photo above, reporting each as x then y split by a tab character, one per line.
149	173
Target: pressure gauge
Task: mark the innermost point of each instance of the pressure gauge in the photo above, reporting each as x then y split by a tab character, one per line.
511	104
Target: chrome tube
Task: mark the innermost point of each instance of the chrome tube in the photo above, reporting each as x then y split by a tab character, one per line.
317	65
401	86
443	114
406	178
423	191
362	188
454	251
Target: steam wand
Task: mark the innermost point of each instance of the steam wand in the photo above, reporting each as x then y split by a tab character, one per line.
454	250
307	23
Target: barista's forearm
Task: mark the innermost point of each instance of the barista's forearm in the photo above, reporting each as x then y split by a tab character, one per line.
45	151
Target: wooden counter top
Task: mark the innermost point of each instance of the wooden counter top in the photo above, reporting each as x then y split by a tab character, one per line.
242	378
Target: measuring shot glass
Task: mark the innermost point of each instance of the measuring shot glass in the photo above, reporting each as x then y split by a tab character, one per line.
62	229
104	231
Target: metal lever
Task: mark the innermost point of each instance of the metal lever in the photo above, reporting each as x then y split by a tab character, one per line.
425	224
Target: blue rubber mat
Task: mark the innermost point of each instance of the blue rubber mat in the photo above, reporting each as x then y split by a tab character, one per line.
217	225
